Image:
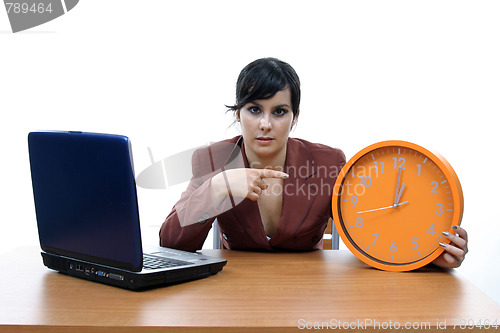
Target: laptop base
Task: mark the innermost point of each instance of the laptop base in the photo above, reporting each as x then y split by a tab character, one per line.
126	279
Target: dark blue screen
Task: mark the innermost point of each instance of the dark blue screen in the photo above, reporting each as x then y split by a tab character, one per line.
85	196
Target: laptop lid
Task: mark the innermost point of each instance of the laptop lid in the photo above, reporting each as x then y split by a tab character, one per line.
85	197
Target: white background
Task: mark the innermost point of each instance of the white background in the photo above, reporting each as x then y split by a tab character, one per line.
161	71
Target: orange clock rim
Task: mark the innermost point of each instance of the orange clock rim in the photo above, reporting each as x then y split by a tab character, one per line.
449	173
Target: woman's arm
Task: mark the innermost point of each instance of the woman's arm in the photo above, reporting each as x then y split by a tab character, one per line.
188	224
209	194
184	228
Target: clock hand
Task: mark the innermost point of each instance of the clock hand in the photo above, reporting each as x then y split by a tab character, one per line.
400	193
396	199
376	209
372	210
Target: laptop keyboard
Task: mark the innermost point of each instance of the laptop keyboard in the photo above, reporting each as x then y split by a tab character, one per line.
154	262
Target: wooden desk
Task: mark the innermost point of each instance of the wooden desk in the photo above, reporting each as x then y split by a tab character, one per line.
255	292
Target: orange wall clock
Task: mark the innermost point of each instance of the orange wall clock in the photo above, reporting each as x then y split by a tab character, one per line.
391	203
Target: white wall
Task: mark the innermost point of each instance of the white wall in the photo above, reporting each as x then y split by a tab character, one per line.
160	71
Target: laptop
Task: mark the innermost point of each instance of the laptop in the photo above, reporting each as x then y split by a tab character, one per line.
88	218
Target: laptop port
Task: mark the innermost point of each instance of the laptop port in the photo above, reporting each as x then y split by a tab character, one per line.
115	277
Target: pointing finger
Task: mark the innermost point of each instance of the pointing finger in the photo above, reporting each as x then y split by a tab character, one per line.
268	173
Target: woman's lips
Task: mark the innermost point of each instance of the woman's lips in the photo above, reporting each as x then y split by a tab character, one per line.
264	140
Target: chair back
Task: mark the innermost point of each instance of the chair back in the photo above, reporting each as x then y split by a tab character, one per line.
330	238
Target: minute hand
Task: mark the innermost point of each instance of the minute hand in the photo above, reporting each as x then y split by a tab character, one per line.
393	206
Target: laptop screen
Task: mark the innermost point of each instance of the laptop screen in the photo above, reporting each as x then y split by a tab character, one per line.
85	197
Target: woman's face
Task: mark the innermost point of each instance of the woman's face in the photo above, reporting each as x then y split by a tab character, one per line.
265	126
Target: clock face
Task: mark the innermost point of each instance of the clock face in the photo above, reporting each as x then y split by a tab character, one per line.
391	203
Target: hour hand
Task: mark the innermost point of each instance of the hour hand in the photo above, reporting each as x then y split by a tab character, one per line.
399	191
399	194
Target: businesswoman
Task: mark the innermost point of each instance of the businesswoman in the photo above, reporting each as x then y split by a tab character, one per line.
267	191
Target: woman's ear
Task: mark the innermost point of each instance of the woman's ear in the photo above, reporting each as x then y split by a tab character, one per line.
237	114
295	118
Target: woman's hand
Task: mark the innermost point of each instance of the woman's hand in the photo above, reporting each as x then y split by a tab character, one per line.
454	253
242	183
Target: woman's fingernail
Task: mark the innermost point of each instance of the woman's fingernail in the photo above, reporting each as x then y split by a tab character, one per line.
443	244
286	175
446	233
455	227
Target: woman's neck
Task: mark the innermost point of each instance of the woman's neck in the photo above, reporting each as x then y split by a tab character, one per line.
276	162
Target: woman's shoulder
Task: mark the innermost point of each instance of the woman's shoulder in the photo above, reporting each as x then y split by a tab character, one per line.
319	152
225	153
224	146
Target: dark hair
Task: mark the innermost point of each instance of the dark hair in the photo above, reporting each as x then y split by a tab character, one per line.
263	78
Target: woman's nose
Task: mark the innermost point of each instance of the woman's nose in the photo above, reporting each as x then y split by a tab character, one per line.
265	123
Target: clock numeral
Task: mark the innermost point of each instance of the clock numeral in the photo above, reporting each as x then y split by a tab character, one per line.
414	242
381	167
434	189
366	181
376	237
440	209
419	167
393	248
431	230
354	200
359	222
401	160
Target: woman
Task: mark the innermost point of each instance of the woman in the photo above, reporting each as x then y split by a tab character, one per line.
268	191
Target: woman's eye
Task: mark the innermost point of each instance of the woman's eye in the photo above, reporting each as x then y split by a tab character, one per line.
253	109
280	112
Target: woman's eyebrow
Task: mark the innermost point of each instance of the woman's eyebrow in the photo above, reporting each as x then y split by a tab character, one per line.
282	105
254	102
274	107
